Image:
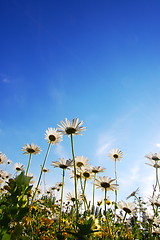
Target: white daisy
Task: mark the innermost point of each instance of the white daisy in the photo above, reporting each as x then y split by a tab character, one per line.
86	173
97	169
9	161
73	127
53	136
31	149
105	183
153	156
128	207
70	197
81	161
71	173
154	163
62	163
18	167
115	154
3	158
45	170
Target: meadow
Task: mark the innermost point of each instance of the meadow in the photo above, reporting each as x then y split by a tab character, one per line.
27	212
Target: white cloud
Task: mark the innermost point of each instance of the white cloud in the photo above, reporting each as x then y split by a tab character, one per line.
60	151
6	80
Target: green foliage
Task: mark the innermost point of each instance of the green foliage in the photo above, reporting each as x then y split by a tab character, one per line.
14	206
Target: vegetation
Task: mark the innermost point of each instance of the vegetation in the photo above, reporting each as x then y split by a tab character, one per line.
28	214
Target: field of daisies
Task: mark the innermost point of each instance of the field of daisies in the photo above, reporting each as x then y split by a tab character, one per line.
27	212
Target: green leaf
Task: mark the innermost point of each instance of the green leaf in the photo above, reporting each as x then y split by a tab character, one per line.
6	236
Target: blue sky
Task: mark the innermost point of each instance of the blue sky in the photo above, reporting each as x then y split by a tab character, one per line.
96	60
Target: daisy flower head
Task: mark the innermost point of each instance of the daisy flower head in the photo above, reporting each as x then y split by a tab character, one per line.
105	183
18	167
128	207
3	158
45	170
70	197
86	173
78	175
81	161
9	161
115	154
154	163
155	200
53	136
74	127
62	163
4	174
31	149
153	156
97	169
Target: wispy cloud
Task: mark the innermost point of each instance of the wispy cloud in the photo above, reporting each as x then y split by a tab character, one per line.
60	151
104	144
137	177
6	80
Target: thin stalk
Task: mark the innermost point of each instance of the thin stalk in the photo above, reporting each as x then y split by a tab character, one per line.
93	194
115	174
44	178
83	193
105	198
75	177
29	162
40	176
60	215
105	210
157	182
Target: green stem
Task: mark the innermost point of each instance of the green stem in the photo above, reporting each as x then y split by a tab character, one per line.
105	198
63	175
83	193
115	173
29	162
40	176
93	192
75	177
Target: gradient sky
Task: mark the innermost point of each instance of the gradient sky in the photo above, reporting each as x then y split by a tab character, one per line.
95	60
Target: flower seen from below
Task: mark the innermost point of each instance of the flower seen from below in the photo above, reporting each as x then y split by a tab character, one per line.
85	173
78	175
81	161
53	136
155	200
153	156
105	183
74	127
115	154
133	194
154	163
62	163
3	158
97	169
128	207
31	149
9	161
4	174
70	197
18	167
45	170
